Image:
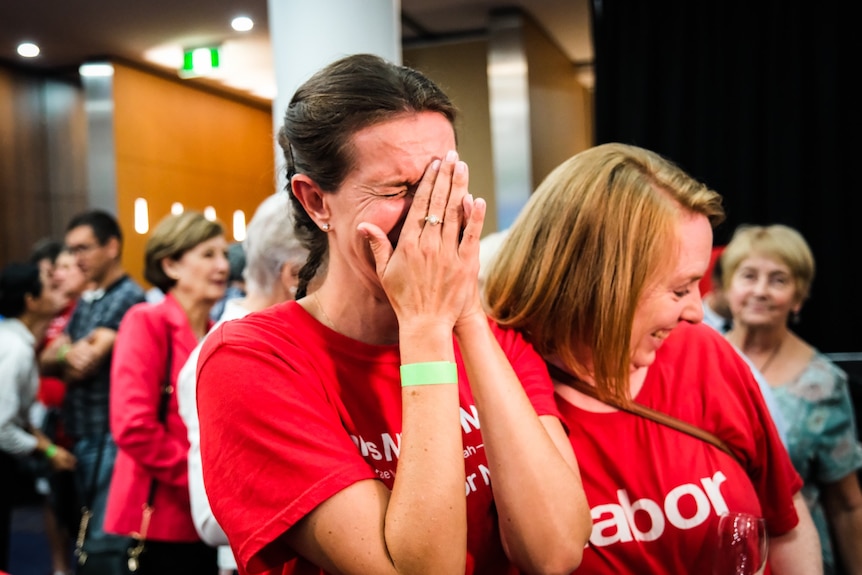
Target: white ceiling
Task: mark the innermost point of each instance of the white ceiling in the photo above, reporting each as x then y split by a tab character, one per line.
70	32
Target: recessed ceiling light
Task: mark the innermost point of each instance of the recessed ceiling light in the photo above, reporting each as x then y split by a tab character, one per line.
28	50
97	70
242	24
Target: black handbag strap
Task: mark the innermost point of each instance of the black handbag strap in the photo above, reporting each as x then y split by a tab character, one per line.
162	414
638	409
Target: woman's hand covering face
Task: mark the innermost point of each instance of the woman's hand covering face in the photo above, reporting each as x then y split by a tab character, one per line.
432	273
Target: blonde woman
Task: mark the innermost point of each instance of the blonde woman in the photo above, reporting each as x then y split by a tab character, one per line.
185	258
600	272
768	275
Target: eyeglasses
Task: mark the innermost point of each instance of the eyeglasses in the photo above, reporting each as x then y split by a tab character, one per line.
81	249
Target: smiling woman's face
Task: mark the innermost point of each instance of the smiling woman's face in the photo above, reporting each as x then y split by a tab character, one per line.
673	297
762	292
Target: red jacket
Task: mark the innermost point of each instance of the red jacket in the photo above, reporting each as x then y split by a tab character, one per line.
149	449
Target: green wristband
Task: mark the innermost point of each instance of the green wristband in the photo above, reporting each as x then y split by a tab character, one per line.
50	451
61	353
429	373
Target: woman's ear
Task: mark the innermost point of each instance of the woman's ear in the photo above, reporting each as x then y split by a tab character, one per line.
171	268
312	198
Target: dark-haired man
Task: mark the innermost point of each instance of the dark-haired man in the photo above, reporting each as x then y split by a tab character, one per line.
95	239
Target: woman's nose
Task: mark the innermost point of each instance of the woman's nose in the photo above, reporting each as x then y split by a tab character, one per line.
693	310
760	286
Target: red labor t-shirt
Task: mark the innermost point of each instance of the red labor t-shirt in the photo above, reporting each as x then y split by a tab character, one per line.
656	493
293	412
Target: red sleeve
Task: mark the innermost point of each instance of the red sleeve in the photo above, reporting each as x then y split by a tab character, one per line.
262	471
738	414
137	371
530	369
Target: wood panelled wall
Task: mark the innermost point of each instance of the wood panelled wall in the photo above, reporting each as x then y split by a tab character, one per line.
42	160
175	143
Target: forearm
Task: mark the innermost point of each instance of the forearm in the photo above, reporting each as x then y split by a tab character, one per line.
543	512
425	527
87	354
51	359
798	551
847	529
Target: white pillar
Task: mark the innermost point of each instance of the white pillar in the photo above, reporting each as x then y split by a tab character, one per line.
509	95
306	35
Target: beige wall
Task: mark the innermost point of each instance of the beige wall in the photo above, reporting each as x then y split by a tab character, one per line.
175	143
561	109
460	69
561	122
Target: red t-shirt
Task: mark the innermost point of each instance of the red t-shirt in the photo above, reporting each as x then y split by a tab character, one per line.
656	493
293	412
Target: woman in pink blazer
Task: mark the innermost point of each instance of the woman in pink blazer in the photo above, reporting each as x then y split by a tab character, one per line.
185	258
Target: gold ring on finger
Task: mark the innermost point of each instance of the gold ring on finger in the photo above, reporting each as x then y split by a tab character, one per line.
433	220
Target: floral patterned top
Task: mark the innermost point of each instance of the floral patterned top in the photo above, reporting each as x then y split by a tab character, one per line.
821	435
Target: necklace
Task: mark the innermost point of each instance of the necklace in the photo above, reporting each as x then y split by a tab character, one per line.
326	318
771	357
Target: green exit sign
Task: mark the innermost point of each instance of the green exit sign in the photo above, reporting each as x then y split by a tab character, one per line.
200	62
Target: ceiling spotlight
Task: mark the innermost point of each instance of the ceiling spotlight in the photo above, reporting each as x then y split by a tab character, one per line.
96	70
28	50
242	24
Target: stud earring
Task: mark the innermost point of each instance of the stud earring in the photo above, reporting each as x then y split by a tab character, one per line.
325	226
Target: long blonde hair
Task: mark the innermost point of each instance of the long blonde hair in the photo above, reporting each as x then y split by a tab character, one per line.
594	234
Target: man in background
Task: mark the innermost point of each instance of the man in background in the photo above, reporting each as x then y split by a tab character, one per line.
84	359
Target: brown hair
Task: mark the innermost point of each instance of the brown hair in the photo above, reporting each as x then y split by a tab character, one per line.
326	111
576	261
173	236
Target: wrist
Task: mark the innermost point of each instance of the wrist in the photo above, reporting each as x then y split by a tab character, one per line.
472	323
50	451
62	351
425	340
429	373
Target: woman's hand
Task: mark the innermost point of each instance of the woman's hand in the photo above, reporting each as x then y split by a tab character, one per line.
63	460
431	277
59	458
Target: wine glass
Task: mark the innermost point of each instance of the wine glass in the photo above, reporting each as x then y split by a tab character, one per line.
742	545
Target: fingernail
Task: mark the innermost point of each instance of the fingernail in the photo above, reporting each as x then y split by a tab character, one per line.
435	165
460	167
451	156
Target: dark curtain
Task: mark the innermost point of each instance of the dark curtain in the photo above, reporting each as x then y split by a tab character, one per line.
758	100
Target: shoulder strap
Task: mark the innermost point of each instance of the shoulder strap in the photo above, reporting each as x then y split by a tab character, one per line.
641	410
164	397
